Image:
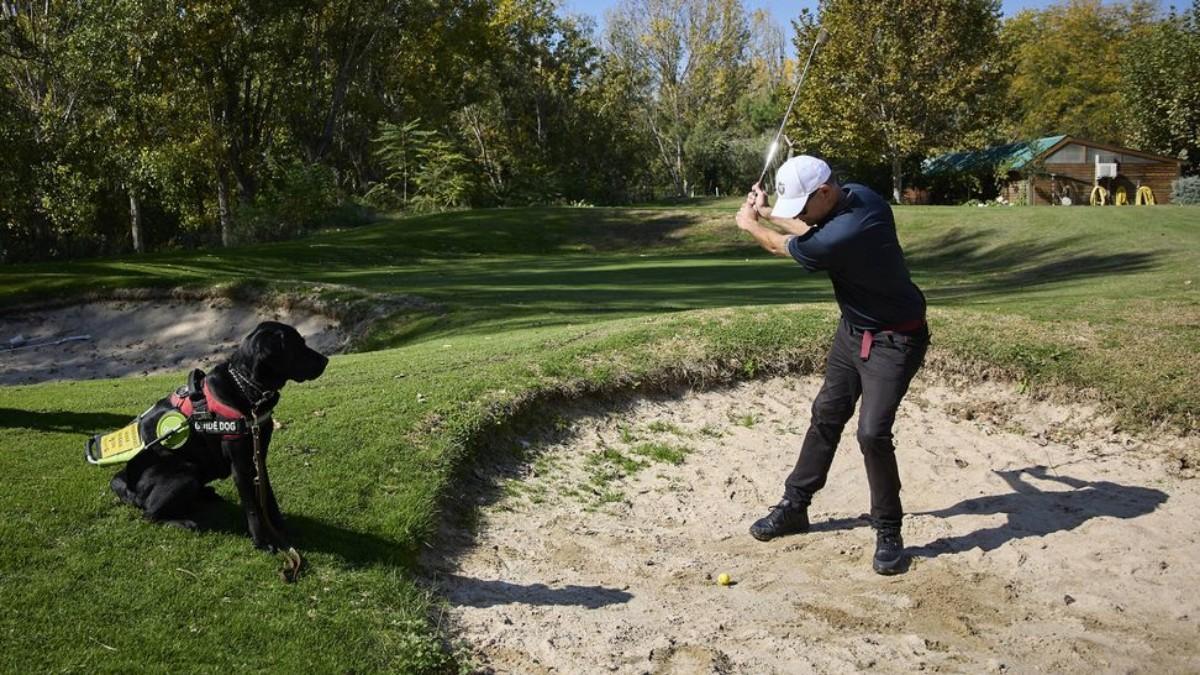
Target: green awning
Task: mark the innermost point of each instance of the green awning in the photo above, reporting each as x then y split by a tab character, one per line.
1010	157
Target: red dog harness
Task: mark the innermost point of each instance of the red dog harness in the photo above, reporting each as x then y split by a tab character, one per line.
209	414
868	337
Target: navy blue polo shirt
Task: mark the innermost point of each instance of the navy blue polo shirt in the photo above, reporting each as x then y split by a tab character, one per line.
857	246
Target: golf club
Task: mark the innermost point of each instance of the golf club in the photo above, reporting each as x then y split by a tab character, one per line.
822	37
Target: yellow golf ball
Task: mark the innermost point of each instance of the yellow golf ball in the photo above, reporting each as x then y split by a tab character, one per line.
724	579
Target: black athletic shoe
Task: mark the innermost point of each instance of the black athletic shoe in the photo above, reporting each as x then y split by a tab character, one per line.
889	552
785	518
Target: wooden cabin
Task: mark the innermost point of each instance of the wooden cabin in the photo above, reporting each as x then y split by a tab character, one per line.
1063	170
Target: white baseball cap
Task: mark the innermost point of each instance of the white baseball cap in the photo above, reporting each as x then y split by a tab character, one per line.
798	178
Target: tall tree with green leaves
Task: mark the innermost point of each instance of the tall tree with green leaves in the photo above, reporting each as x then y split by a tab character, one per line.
687	61
616	161
120	50
766	94
49	166
340	39
234	61
1066	63
524	123
1160	88
898	79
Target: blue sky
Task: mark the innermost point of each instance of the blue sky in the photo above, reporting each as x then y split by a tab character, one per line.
783	11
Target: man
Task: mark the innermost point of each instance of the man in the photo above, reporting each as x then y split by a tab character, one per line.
849	232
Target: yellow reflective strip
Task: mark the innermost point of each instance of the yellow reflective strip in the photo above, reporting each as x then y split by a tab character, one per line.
119	441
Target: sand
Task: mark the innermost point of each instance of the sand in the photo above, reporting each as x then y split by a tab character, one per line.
138	338
1041	540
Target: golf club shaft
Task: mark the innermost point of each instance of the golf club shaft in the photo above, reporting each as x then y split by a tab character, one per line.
822	36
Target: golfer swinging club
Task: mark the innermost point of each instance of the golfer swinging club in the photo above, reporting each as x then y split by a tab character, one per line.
849	232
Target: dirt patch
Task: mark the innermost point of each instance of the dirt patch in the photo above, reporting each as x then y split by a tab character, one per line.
140	337
1041	540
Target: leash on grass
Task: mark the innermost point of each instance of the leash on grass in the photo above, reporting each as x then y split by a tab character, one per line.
292	558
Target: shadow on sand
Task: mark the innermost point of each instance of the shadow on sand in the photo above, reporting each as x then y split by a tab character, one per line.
470	592
1033	512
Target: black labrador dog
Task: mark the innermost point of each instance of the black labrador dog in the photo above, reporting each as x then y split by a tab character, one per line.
223	408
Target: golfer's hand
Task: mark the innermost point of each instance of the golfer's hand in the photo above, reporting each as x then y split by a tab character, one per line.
757	197
747	216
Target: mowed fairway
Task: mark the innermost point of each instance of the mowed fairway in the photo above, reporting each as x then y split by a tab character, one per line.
534	304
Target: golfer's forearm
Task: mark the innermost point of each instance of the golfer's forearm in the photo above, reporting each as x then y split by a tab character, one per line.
771	241
791	226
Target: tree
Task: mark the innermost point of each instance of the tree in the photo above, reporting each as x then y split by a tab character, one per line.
1160	87
617	158
767	95
49	187
119	51
232	72
686	60
340	39
1066	67
524	123
399	149
899	78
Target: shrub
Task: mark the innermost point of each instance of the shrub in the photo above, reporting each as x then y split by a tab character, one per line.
1186	190
300	198
425	172
441	181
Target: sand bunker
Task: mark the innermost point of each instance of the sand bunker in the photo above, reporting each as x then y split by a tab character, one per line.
139	337
1041	540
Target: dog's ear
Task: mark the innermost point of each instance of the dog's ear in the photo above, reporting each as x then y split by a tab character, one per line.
271	337
254	343
260	354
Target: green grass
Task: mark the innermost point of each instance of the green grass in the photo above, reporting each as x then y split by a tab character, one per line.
662	427
663	452
613	464
747	420
535	301
627	435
